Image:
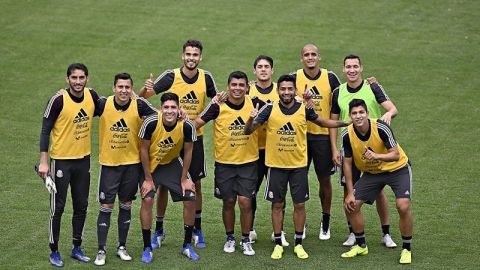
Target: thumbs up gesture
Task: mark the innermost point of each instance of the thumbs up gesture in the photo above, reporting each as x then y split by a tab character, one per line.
149	83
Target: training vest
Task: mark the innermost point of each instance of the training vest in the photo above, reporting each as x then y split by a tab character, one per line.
165	145
267	98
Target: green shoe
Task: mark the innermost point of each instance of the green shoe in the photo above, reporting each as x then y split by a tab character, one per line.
277	252
406	256
355	251
300	252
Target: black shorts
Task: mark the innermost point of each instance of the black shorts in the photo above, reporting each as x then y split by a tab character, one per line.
122	180
262	169
320	151
235	180
198	167
369	185
170	176
356	173
278	179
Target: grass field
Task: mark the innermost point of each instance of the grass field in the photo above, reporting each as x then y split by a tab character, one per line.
424	53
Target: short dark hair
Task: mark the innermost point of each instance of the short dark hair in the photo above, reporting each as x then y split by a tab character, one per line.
76	66
122	76
355	103
263	57
169	96
352	56
193	43
237	75
286	78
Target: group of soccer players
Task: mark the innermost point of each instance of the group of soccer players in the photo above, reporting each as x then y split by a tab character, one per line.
262	129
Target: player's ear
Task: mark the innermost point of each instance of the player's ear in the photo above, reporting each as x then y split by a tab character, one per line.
66	79
200	58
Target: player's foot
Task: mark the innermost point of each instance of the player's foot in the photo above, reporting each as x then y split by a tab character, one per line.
157	239
190	253
56	259
123	254
78	254
350	240
304	231
324	235
277	252
253	236
101	257
406	256
229	246
247	248
388	241
284	240
198	239
147	255
355	251
300	252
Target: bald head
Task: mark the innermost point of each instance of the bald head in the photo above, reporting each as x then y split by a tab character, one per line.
309	47
310	58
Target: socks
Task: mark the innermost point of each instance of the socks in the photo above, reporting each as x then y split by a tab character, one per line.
198	220
124	217
407	242
188	234
245	237
298	238
386	229
278	238
147	238
360	239
103	224
230	235
159	224
326	221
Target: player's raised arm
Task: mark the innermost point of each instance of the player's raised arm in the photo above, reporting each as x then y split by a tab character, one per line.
147	90
329	123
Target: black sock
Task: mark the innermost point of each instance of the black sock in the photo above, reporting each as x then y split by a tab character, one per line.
54	246
230	235
103	224
188	234
278	238
198	220
360	239
350	227
407	242
159	224
326	221
147	238
298	238
386	229
124	217
254	210
245	237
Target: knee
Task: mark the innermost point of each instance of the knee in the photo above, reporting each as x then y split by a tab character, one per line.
403	206
299	207
244	203
147	202
228	204
277	207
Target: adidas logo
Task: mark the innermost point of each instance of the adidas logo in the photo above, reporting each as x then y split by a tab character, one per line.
102	224
120	126
287	129
167	143
407	192
81	116
190	98
316	93
238	124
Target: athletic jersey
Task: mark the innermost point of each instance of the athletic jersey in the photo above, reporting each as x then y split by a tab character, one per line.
118	140
71	132
373	141
267	95
322	94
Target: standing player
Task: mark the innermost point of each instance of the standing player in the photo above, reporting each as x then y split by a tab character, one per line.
371	144
120	172
193	86
68	121
236	156
320	82
286	148
163	137
376	98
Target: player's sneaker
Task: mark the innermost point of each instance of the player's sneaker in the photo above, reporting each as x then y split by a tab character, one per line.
190	253
406	256
350	240
147	256
277	252
388	241
123	254
247	248
198	239
56	259
157	239
78	254
324	235
300	252
229	246
101	257
284	240
355	251
252	236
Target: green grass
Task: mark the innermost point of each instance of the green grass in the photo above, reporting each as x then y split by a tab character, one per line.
423	52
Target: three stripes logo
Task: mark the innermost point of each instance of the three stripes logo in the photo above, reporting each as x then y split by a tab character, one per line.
190	98
238	124
315	93
120	126
287	129
81	116
167	143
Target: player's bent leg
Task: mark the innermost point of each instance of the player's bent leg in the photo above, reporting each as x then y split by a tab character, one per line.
197	230
358	225
406	228
382	209
161	203
146	223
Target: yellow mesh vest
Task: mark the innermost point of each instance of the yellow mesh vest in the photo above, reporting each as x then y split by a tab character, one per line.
118	134
192	96
232	146
376	144
165	145
70	135
286	139
322	97
268	98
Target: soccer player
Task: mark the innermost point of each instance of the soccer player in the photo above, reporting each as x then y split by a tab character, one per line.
371	144
162	138
320	82
120	172
236	156
193	85
286	157
376	98
68	121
